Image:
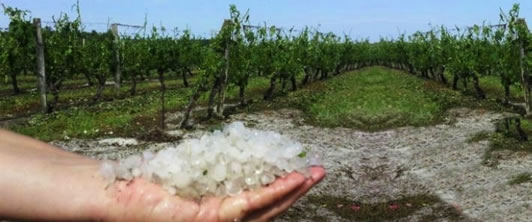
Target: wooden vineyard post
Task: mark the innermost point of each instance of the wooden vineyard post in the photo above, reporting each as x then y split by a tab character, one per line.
525	78
118	73
163	91
220	109
41	71
223	85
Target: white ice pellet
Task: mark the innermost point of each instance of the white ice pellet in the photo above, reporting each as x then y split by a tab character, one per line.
131	161
251	180
267	178
147	155
314	160
219	163
219	172
136	172
233	187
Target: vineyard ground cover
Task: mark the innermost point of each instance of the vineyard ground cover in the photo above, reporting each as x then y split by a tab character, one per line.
29	85
491	86
353	99
502	144
25	82
521	178
129	117
76	93
371	99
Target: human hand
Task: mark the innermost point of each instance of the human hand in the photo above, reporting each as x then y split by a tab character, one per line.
139	200
43	182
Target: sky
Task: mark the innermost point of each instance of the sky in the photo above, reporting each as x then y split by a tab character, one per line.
359	19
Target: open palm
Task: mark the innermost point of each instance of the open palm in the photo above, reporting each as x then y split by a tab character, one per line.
139	200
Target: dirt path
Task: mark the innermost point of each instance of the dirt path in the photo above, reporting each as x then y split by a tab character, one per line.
373	168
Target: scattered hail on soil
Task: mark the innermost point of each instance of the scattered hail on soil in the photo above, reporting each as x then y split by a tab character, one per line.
400	170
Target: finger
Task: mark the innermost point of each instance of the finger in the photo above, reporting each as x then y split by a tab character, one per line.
238	206
208	210
318	173
140	200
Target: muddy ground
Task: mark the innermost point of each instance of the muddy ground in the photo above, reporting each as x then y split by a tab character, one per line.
431	173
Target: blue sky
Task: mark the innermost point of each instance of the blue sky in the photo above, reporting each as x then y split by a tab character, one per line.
358	18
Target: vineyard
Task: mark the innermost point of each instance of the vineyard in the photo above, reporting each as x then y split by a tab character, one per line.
240	52
64	82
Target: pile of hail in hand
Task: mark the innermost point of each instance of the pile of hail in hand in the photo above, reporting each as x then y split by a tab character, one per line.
220	163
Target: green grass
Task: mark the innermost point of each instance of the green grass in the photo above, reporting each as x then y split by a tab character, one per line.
521	178
117	118
479	137
493	88
373	98
491	85
78	124
508	141
28	103
129	117
29	81
24	82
